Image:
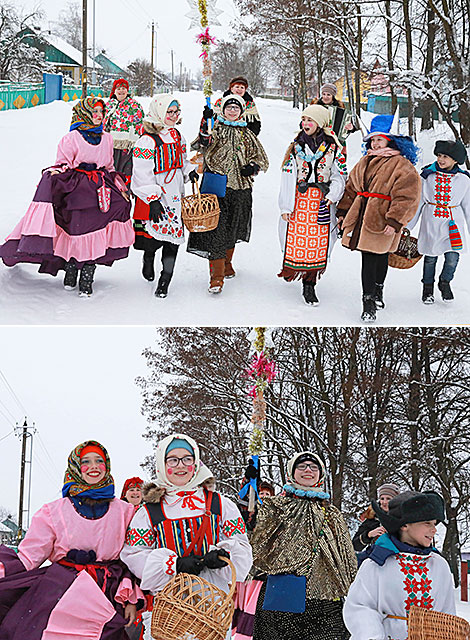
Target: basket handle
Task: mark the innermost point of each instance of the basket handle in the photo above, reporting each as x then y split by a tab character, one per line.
196	191
234	576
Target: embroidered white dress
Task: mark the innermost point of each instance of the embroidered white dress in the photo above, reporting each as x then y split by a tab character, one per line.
404	580
445	196
156	565
166	185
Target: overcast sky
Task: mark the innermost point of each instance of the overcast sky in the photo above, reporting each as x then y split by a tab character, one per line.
76	383
123	28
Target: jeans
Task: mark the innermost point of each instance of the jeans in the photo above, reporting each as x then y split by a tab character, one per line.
451	260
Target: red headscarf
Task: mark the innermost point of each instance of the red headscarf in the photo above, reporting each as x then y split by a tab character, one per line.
129	483
117	83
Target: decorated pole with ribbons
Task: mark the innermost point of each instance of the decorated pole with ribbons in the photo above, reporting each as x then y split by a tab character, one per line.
260	373
203	11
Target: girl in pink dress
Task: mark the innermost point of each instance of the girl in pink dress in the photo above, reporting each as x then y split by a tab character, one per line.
80	213
86	592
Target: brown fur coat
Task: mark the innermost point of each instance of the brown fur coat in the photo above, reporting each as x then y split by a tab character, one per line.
394	176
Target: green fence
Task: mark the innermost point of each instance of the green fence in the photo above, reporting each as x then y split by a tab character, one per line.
24	95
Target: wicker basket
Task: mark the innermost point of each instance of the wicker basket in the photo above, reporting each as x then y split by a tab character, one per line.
200	212
406	255
424	624
191	608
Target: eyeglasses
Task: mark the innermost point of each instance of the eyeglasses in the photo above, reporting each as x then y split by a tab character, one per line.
232	107
172	112
303	466
174	462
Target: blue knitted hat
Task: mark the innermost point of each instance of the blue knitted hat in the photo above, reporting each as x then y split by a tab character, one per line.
179	443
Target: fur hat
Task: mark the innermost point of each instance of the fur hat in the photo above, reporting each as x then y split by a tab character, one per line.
329	87
238	80
454	149
388	490
408	507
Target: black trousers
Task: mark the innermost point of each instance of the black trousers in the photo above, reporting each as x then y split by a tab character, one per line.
374	271
169	253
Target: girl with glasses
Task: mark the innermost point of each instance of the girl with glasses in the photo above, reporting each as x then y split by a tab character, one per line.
183	527
302	543
160	169
234	151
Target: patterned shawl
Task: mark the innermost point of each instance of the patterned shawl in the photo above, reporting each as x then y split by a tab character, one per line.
306	537
74	484
231	148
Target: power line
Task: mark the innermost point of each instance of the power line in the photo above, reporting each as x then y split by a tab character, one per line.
9	420
8	386
41	442
8	434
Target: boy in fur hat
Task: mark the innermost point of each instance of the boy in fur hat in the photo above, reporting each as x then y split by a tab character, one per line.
444	211
402	569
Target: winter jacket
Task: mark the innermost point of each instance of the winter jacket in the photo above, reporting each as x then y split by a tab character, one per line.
365	218
361	540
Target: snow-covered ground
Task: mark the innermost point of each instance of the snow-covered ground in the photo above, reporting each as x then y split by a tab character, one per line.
256	296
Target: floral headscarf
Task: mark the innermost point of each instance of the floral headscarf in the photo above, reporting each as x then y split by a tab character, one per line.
131	483
75	485
82	115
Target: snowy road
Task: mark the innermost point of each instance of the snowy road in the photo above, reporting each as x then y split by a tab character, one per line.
255	296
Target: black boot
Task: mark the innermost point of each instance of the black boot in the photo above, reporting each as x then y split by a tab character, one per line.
162	286
86	280
71	275
379	296
148	269
446	291
428	293
368	309
308	292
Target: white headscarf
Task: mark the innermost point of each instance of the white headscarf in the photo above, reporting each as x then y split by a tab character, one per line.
158	108
290	472
201	472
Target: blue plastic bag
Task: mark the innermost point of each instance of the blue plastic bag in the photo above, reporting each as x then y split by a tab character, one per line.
215	183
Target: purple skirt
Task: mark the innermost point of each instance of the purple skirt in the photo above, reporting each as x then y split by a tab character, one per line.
74	215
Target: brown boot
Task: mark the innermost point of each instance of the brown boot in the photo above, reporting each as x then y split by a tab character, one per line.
217	268
229	270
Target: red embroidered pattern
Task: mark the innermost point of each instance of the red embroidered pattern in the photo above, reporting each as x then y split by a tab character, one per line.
169	564
152	198
443	189
416	583
140	537
232	527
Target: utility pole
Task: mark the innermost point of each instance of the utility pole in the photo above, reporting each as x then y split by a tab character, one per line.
151	60
24	433
180	81
172	69
84	48
93	75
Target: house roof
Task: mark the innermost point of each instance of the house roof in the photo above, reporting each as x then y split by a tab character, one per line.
4	528
109	65
56	49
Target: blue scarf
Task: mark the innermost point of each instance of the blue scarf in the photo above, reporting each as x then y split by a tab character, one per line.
435	168
236	123
389	545
89	511
93	135
302	493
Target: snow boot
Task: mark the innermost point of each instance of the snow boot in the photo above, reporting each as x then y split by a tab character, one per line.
308	292
428	293
85	283
162	286
217	269
148	269
229	270
379	296
446	291
368	309
71	276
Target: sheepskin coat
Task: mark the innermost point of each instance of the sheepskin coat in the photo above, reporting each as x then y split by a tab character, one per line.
365	218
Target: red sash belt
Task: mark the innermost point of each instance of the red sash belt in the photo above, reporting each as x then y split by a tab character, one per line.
367	194
90	569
